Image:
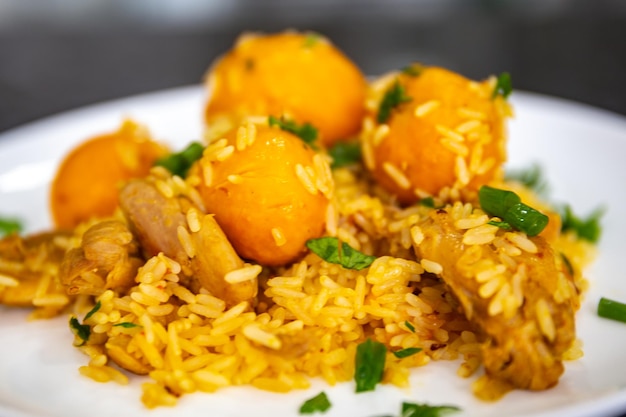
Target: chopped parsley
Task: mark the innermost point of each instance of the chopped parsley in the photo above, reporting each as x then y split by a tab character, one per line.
409	326
369	365
425	410
531	177
81	330
503	86
318	403
413	70
9	226
93	310
393	97
307	132
180	162
126	325
329	250
312	39
588	229
405	353
345	153
500	224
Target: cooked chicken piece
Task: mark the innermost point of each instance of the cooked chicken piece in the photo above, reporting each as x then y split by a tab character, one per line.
519	300
29	266
108	258
205	254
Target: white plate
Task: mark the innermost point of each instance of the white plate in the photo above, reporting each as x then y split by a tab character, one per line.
582	150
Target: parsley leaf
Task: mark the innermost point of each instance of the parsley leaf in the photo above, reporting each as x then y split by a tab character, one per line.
413	70
531	177
500	224
405	353
180	162
503	86
9	226
307	132
126	325
425	410
81	330
393	97
588	229
345	153
369	365
93	310
318	403
327	248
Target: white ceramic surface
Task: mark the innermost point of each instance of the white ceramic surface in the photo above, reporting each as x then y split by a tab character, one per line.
581	149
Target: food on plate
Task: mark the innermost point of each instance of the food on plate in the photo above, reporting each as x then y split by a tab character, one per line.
269	253
271	170
430	130
302	76
85	185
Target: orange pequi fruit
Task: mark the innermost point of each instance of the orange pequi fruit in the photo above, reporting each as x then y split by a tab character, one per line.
442	131
299	76
269	191
86	183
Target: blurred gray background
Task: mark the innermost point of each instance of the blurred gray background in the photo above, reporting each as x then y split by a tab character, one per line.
61	54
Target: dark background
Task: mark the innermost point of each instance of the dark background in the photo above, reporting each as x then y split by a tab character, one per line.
57	55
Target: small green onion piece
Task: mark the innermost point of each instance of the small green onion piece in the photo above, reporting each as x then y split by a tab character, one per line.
318	403
508	206
369	365
526	219
588	229
83	331
427	202
501	225
496	201
93	310
611	309
127	325
409	326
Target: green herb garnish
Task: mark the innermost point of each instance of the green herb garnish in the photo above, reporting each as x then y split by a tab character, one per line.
612	309
81	330
345	153
427	202
91	312
9	226
412	70
568	264
531	177
409	326
126	325
508	206
312	39
393	97
318	403
405	353
588	229
501	225
503	86
307	132
327	248
369	365
425	410
180	162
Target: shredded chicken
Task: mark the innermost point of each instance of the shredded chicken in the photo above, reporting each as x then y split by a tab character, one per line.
108	258
523	346
206	256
